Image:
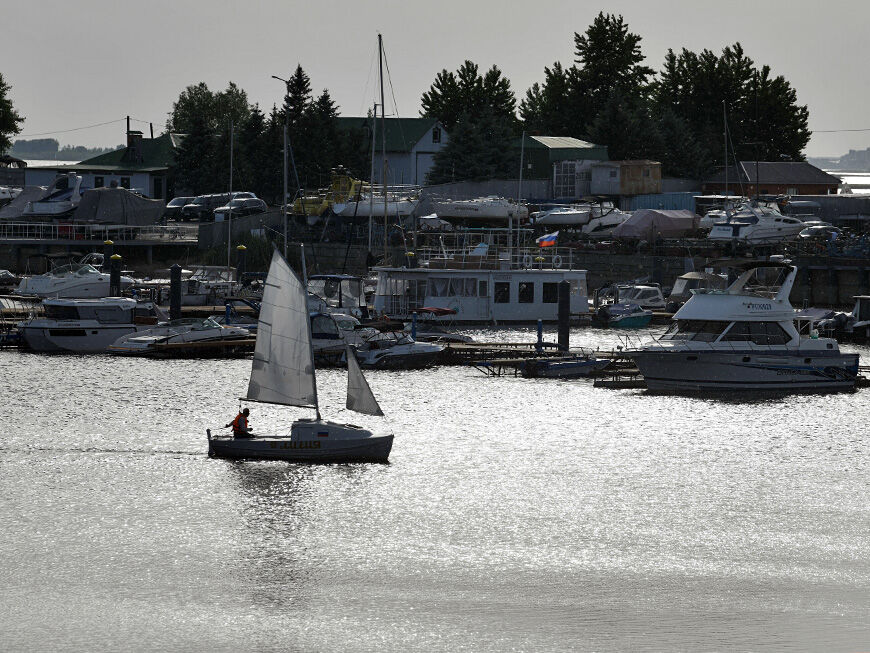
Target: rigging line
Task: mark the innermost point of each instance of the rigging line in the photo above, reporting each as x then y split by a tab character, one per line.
368	81
393	95
75	129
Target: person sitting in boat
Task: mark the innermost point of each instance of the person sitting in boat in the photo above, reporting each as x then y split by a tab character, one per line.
240	425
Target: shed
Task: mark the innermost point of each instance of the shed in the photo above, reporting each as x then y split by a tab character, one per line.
542	153
637	177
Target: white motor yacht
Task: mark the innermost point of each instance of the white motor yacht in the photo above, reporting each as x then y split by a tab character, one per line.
188	335
60	198
396	350
743	338
756	223
76	280
647	296
603	225
87	326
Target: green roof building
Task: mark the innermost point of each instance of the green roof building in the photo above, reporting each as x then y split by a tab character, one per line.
542	153
411	145
142	166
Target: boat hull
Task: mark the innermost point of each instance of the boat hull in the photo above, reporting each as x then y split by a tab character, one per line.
73	338
568	369
373	449
699	371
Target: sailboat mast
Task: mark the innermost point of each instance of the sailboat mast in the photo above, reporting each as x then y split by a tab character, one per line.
725	135
230	207
372	176
308	325
383	135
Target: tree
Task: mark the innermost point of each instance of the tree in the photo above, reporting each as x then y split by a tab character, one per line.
197	101
10	120
625	125
546	108
478	149
193	158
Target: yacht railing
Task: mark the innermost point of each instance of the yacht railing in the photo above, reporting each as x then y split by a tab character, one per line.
11	231
525	258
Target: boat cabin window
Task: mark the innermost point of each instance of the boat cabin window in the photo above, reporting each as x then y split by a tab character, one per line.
697	330
60	312
322	326
502	292
550	293
526	292
113	315
482	288
447	287
759	333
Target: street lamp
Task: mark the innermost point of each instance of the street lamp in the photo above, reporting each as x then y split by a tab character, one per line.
284	198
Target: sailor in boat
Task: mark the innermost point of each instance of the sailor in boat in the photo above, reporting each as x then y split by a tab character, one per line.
240	425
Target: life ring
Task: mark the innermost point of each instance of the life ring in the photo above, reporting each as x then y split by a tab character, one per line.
557	261
527	261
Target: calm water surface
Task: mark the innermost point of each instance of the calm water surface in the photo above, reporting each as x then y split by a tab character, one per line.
515	515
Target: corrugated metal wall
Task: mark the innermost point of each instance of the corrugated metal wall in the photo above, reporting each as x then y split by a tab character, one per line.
667	201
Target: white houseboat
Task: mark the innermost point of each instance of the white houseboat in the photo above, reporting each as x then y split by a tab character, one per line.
483	284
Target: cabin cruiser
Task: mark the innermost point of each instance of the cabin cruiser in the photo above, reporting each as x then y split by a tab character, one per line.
76	280
853	326
481	208
756	223
61	198
186	334
396	350
603	226
689	282
647	296
575	215
87	326
744	338
622	315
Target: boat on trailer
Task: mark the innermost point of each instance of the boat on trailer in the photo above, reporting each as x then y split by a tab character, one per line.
282	373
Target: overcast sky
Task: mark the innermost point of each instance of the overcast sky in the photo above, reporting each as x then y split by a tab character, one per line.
81	62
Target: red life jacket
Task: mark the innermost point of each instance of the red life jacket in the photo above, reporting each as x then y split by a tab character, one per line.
240	424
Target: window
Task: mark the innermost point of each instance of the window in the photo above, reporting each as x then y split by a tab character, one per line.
697	330
759	333
482	289
613	174
551	293
436	134
526	292
99	182
323	327
502	294
125	182
791	191
646	172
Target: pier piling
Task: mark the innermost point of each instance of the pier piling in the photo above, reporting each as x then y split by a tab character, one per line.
115	276
564	313
175	292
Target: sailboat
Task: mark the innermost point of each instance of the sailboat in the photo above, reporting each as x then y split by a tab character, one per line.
282	372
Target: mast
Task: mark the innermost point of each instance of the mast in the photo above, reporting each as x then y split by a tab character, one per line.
230	206
372	176
519	195
725	135
308	324
383	135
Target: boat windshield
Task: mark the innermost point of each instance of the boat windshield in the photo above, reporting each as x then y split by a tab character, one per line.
73	268
697	330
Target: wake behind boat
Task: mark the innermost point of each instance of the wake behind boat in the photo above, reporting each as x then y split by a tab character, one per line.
282	372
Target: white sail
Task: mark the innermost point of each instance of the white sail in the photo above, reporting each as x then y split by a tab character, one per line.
360	397
283	368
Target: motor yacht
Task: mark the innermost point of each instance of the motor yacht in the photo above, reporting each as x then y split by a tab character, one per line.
75	281
622	315
396	350
755	223
744	338
186	336
87	326
61	198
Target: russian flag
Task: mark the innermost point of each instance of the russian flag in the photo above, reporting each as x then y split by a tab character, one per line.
322	434
548	240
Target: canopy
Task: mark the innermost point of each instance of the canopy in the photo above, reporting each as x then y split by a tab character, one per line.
649	224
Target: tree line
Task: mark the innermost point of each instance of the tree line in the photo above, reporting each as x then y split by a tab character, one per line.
608	95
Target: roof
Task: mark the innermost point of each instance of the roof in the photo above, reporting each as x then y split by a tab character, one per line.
402	133
776	172
157	154
634	162
559	142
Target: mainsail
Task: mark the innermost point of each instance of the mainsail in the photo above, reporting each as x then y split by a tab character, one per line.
283	368
359	395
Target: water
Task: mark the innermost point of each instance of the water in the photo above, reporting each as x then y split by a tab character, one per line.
515	515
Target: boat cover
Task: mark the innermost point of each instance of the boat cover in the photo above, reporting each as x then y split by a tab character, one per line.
15	208
647	224
118	206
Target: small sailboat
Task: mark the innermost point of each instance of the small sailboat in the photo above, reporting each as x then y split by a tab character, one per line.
282	373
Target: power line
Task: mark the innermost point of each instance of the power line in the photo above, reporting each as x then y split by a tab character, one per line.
835	131
75	129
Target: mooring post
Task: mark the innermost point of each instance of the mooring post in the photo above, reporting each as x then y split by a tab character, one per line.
241	251
414	325
108	250
564	313
540	345
229	314
115	276
175	292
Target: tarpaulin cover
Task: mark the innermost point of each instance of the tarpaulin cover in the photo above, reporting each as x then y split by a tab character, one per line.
118	206
648	224
15	208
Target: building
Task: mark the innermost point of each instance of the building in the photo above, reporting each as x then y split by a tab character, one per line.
774	178
11	170
142	166
411	145
626	178
564	160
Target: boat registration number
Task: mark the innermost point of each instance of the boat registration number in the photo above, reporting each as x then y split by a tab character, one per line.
295	445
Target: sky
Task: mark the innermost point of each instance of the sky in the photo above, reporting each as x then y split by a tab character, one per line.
77	63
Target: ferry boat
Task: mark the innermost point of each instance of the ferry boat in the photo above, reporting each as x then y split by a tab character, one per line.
87	326
744	338
483	284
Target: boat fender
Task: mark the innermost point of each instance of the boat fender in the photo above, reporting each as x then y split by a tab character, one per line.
527	261
557	261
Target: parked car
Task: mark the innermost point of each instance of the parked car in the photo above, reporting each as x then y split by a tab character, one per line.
203	206
240	207
174	206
